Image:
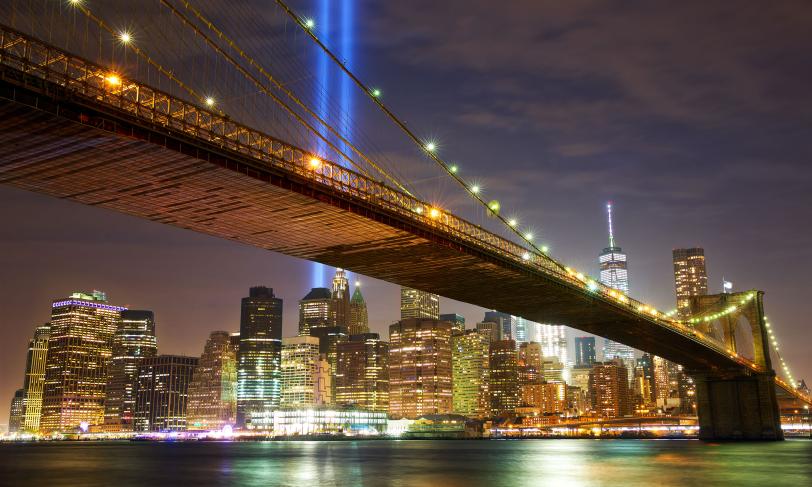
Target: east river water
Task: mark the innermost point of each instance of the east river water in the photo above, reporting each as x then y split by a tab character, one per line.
464	463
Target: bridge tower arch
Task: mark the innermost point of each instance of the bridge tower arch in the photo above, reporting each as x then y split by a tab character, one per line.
737	404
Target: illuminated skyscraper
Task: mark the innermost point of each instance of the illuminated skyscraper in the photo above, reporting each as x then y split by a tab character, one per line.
613	261
489	329
35	378
16	412
162	396
341	299
305	373
418	304
615	275
584	351
258	360
362	373
690	277
133	341
609	387
469	366
419	368
457	321
316	310
503	377
532	355
79	351
359	318
213	390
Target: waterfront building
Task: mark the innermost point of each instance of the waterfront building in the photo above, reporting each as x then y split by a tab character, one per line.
545	397
213	390
16	413
609	388
316	310
489	329
258	360
34	383
133	341
503	377
305	373
332	421
359	318
418	304
585	351
457	322
362	373
419	368
690	277
162	395
469	369
79	350
643	384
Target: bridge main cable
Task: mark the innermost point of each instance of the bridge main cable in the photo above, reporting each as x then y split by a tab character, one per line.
420	143
210	25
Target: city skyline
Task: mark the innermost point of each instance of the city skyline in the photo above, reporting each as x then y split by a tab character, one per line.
191	281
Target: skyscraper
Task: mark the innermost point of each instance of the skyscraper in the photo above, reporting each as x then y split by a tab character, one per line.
316	310
341	299
489	329
505	322
584	351
35	363
16	412
359	318
362	373
418	304
609	387
258	380
213	390
469	369
457	321
133	341
690	277
419	368
162	396
613	261
305	374
79	352
503	377
615	275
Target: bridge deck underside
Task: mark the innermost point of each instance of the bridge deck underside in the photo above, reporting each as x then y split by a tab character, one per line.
67	157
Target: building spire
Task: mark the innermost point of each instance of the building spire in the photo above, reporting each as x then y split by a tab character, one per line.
611	232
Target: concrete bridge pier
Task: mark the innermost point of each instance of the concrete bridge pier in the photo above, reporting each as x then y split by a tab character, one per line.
737	406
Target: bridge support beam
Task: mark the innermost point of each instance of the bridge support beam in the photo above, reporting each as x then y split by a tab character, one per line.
737	407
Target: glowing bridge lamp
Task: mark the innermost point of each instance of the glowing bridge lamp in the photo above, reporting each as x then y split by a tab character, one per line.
309	23
315	163
125	37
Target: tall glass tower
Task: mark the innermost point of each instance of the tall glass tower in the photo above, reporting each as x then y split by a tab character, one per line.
259	358
614	274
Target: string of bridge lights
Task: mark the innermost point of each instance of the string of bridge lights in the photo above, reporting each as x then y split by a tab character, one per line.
774	342
723	313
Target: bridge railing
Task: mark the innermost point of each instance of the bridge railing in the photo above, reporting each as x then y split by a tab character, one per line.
109	88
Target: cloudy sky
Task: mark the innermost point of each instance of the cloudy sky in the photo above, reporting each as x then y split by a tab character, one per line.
694	117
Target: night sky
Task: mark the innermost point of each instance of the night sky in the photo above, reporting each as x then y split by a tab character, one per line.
694	118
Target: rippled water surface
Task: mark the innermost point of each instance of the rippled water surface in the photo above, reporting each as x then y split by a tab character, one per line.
409	463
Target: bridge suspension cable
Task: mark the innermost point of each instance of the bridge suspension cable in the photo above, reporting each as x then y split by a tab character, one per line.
429	148
776	348
253	63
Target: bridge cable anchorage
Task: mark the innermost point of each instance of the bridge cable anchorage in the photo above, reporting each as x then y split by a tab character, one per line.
450	169
221	35
140	52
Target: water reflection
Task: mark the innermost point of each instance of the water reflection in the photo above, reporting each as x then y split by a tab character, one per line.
408	463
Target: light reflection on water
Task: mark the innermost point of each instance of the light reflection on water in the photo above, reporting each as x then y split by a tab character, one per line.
409	463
